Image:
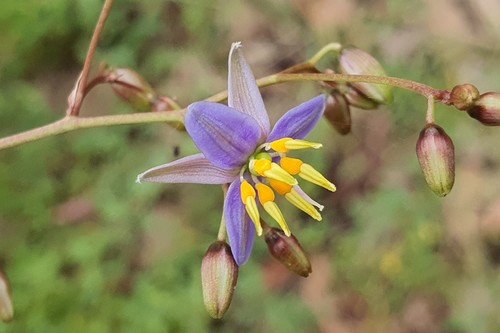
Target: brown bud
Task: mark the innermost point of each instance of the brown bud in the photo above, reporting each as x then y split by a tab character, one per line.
358	99
487	109
133	88
337	112
358	62
219	275
463	96
6	308
436	155
288	251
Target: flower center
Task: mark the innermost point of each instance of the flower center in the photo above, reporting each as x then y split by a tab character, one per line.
270	170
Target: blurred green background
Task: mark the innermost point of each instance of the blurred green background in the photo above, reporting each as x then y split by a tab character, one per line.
88	250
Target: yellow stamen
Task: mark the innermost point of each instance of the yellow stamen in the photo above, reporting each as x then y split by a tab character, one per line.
266	198
291	165
248	198
295	198
283	145
272	170
280	187
310	174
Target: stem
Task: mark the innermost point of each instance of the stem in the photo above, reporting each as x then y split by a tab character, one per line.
332	47
71	123
429	116
81	84
222	234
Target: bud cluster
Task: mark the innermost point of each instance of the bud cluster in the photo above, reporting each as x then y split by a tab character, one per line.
361	95
485	107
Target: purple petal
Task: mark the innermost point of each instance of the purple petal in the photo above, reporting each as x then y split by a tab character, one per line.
243	92
190	169
299	121
240	229
224	135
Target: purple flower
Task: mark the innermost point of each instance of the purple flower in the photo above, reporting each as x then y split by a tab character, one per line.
239	148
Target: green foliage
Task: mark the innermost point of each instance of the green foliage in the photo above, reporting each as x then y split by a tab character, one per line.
89	250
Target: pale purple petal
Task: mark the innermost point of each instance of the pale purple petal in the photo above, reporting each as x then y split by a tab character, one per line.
227	137
240	229
299	121
243	92
190	169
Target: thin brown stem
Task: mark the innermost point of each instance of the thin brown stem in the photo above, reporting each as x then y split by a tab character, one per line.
81	84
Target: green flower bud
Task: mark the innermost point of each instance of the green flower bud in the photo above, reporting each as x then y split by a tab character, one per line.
6	308
487	109
288	251
357	62
337	112
358	99
463	96
132	88
219	275
436	155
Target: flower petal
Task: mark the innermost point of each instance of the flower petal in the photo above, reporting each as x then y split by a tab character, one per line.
190	169
224	135
243	92
240	229
300	120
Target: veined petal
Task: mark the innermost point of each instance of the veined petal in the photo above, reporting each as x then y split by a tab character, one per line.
190	169
240	229
299	121
224	135
243	92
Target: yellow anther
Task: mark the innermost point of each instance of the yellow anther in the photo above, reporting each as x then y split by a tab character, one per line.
246	191
298	201
310	174
291	165
265	193
279	145
295	198
261	166
302	144
266	198
283	145
280	187
277	172
248	197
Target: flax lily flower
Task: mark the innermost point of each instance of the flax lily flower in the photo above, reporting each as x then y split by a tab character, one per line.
239	148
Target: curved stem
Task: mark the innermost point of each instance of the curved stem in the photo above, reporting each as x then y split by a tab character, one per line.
81	83
71	123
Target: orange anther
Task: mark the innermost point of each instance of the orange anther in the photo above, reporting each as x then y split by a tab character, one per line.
291	165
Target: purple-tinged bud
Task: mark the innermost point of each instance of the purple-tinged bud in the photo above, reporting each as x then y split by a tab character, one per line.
288	251
357	62
358	99
219	275
436	155
337	112
132	88
487	109
6	308
463	96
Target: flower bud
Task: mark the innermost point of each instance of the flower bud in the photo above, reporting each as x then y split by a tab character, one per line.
463	96
436	155
487	109
219	274
358	99
288	251
357	62
337	112
132	88
6	309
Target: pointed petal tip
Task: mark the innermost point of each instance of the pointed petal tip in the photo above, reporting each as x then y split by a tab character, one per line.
138	179
235	45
